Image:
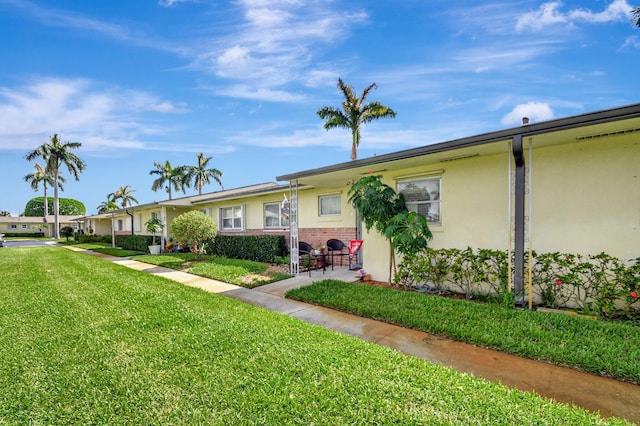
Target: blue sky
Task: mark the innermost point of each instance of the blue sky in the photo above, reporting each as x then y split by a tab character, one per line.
138	82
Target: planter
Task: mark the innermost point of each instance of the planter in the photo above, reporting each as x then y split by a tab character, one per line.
155	249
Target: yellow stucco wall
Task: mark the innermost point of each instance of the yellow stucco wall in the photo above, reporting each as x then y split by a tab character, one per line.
585	195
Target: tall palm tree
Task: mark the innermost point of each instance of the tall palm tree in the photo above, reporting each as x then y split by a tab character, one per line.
201	175
109	205
41	176
124	194
57	154
354	114
172	177
635	14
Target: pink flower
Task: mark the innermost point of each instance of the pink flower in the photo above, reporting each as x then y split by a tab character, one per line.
558	282
634	294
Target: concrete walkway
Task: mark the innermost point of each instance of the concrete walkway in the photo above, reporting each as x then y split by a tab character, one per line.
609	397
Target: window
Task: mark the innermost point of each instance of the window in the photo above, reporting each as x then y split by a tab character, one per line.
330	205
206	211
423	197
275	216
232	218
12	226
25	226
120	225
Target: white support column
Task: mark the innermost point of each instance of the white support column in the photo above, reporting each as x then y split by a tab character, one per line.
293	228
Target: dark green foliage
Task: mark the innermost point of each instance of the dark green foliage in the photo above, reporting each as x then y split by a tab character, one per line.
598	284
91	238
23	235
68	207
134	242
262	248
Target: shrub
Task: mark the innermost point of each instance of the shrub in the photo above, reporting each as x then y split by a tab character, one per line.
262	248
194	228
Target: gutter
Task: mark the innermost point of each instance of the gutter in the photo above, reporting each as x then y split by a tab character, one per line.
599	117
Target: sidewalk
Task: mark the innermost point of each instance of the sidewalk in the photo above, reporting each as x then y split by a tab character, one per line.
609	397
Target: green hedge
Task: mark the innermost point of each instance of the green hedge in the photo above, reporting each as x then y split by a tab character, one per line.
262	248
22	234
134	242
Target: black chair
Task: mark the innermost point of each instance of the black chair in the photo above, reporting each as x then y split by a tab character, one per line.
304	255
336	249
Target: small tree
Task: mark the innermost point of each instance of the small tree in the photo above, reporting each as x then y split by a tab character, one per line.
194	228
380	207
154	227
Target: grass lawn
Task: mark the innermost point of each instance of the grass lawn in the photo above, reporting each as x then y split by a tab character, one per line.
596	346
245	273
85	341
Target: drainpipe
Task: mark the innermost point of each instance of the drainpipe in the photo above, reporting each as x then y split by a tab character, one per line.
131	215
518	264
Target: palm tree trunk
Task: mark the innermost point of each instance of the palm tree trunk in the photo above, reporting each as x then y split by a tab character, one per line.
354	148
56	225
46	202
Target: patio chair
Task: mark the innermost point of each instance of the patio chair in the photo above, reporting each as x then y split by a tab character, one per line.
337	248
305	259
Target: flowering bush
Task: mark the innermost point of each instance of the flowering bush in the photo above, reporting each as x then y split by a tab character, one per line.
599	284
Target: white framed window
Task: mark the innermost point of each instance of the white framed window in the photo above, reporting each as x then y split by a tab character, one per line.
330	205
12	226
25	226
423	197
275	216
154	215
120	225
232	218
206	211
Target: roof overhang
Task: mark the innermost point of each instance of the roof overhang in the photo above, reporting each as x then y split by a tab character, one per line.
620	122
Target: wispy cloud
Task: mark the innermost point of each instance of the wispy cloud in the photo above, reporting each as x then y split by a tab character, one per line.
65	19
274	46
550	14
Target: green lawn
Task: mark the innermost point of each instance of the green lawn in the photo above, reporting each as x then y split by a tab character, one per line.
596	346
245	273
86	341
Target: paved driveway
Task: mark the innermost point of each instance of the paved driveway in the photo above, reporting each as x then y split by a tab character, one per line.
27	243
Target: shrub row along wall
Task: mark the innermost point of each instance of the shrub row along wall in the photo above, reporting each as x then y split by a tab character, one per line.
599	284
263	248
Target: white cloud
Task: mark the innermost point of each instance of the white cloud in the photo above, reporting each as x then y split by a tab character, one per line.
631	41
546	15
270	48
549	14
618	10
169	3
100	116
535	111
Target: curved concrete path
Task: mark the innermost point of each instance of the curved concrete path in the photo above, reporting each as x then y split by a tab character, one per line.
594	393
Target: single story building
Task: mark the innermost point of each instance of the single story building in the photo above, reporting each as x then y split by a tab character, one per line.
570	185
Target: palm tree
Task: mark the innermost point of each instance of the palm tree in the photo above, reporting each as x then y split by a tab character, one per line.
124	194
172	177
635	14
200	174
354	113
40	176
57	154
109	205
